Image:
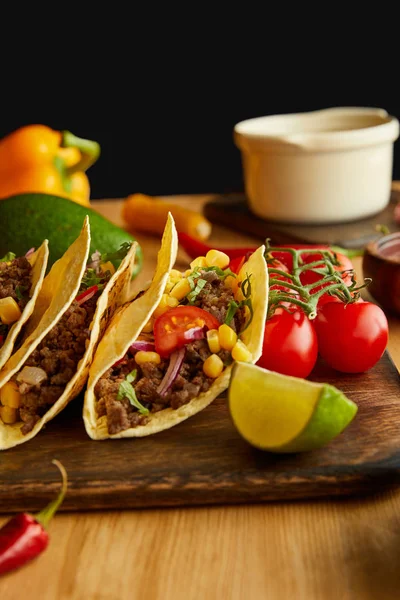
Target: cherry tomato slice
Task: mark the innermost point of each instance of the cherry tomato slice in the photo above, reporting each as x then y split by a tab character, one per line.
170	327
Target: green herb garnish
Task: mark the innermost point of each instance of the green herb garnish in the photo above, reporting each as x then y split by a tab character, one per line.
19	291
131	376
8	257
194	293
235	306
126	390
89	279
220	272
118	254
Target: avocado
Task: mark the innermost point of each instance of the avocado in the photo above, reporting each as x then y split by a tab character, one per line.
27	219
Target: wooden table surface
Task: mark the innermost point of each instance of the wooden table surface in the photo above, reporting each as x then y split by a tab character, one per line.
322	550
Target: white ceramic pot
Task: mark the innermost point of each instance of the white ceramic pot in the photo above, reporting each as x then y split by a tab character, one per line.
327	166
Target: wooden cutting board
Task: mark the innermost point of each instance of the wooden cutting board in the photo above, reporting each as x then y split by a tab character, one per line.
232	211
204	461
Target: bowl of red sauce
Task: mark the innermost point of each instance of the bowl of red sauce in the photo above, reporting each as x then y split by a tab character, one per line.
381	263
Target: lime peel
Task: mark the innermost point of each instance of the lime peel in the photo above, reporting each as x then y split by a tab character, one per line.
283	414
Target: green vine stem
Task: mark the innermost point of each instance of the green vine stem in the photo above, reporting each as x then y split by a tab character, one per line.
295	293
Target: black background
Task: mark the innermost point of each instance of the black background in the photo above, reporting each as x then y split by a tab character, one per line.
165	124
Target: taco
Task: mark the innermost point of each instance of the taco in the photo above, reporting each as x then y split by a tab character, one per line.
20	281
168	354
77	299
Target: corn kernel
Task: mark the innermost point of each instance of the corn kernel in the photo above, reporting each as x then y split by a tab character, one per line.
172	302
216	258
9	395
232	283
175	275
213	366
188	272
162	306
227	337
200	261
148	328
142	357
107	266
8	415
213	341
9	310
181	289
241	352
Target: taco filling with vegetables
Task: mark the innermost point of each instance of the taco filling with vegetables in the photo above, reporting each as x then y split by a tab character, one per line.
202	322
20	282
53	363
193	335
15	285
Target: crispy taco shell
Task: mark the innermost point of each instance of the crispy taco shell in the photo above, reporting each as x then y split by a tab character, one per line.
38	261
128	323
59	289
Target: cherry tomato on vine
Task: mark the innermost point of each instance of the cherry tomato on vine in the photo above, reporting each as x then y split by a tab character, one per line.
311	277
290	344
351	337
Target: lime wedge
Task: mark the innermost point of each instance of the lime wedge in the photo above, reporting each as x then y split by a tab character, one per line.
279	413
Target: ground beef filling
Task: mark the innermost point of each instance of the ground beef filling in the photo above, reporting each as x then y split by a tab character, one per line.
191	381
58	354
215	298
15	282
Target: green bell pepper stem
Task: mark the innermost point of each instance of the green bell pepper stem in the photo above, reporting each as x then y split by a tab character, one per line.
89	149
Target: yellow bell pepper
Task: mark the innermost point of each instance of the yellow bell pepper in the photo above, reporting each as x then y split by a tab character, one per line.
36	158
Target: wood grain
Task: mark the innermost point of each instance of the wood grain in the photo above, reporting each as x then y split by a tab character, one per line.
208	462
315	550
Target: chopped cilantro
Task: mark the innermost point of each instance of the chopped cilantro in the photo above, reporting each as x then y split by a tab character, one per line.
234	306
196	291
8	257
89	279
118	255
131	376
19	291
126	390
220	272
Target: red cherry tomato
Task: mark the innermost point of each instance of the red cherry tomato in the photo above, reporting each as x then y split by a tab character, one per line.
170	327
351	337
290	344
311	277
325	298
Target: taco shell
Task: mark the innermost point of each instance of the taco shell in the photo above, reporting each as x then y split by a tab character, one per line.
59	289
128	323
38	261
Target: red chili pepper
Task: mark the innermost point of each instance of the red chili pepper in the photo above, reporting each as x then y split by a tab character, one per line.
24	536
194	248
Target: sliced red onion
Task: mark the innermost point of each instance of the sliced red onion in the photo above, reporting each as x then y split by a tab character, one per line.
30	252
196	333
121	360
85	296
96	260
175	363
142	345
32	375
